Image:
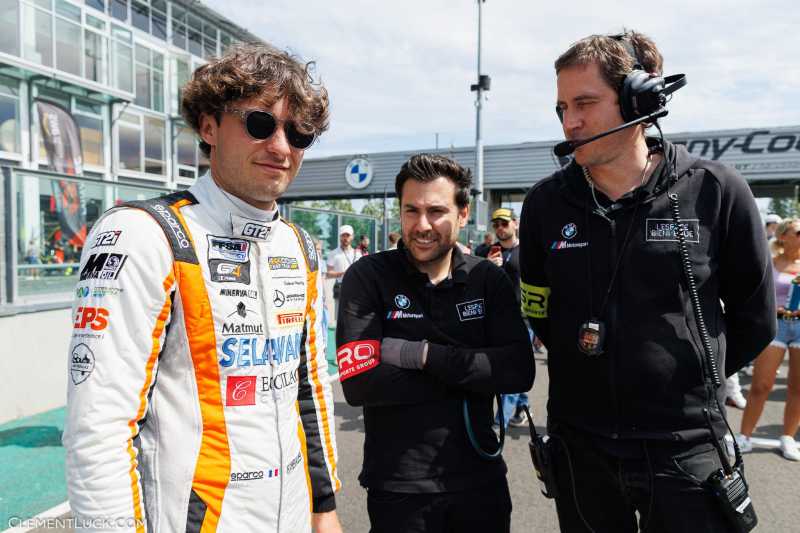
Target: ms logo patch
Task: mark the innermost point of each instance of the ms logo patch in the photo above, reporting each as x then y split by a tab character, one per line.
569	231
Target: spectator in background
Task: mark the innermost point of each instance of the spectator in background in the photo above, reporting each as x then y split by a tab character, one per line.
505	254
323	269
393	238
771	222
483	248
363	245
340	260
786	249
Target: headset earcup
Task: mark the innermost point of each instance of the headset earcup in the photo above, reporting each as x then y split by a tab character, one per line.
641	95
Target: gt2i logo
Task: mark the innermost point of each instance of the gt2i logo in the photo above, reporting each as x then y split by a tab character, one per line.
356	357
255	231
95	318
241	390
107	238
534	300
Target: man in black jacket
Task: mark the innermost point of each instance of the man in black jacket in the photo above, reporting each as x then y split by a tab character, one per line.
602	282
426	338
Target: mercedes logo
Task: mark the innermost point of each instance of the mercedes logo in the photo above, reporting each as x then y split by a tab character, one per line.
278	299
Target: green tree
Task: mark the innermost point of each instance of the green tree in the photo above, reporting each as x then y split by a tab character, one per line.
784	207
340	204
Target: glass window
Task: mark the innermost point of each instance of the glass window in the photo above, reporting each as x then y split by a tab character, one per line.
179	35
161	5
159	25
68	11
68	46
209	41
100	5
95	22
9	26
9	116
91	131
195	36
225	42
123	66
140	16
154	130
95	56
119	9
143	96
182	76
130	142
37	45
187	146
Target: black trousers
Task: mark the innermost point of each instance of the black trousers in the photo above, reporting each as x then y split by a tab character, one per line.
601	492
486	509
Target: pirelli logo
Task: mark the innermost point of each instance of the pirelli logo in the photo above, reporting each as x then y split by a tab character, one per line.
534	300
290	318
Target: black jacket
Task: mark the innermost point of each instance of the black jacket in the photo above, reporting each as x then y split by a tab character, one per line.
648	384
415	436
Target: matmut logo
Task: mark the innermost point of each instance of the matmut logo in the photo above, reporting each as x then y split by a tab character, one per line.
290	318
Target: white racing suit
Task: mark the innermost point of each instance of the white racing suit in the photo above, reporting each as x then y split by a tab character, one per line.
198	395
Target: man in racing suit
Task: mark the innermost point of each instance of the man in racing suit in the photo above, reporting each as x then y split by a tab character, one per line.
199	397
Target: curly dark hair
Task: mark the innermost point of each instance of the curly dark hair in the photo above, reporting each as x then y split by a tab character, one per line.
255	70
614	61
428	167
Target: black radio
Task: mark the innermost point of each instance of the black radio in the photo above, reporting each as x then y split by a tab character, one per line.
734	499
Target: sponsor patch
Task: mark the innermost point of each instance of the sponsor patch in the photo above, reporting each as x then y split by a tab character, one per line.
224	271
82	363
294	463
103	266
246	476
95	318
397	315
239	293
280	262
569	230
106	238
471	310
402	301
663	230
242	352
534	300
97	292
290	318
240	390
357	357
564	245
227	249
242	321
279	298
280	381
255	231
177	230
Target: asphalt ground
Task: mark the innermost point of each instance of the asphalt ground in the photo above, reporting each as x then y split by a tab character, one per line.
774	481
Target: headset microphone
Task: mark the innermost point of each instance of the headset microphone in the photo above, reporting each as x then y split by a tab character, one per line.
565	148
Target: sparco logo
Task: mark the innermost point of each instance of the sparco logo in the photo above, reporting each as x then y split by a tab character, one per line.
256	231
247	476
183	242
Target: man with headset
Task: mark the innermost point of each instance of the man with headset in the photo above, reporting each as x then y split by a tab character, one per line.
635	425
426	337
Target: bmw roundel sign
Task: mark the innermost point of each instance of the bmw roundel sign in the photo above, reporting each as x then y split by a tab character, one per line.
358	173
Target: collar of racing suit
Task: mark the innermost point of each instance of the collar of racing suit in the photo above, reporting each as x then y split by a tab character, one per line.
234	214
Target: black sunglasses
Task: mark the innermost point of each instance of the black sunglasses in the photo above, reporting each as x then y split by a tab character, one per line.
261	125
498	223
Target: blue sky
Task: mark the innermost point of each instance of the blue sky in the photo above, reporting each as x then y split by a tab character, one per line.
398	72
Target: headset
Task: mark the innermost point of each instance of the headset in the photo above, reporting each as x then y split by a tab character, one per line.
642	97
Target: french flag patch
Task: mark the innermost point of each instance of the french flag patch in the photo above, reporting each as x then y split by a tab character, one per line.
272	472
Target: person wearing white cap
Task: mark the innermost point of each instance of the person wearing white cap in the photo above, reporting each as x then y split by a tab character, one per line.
771	222
340	260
